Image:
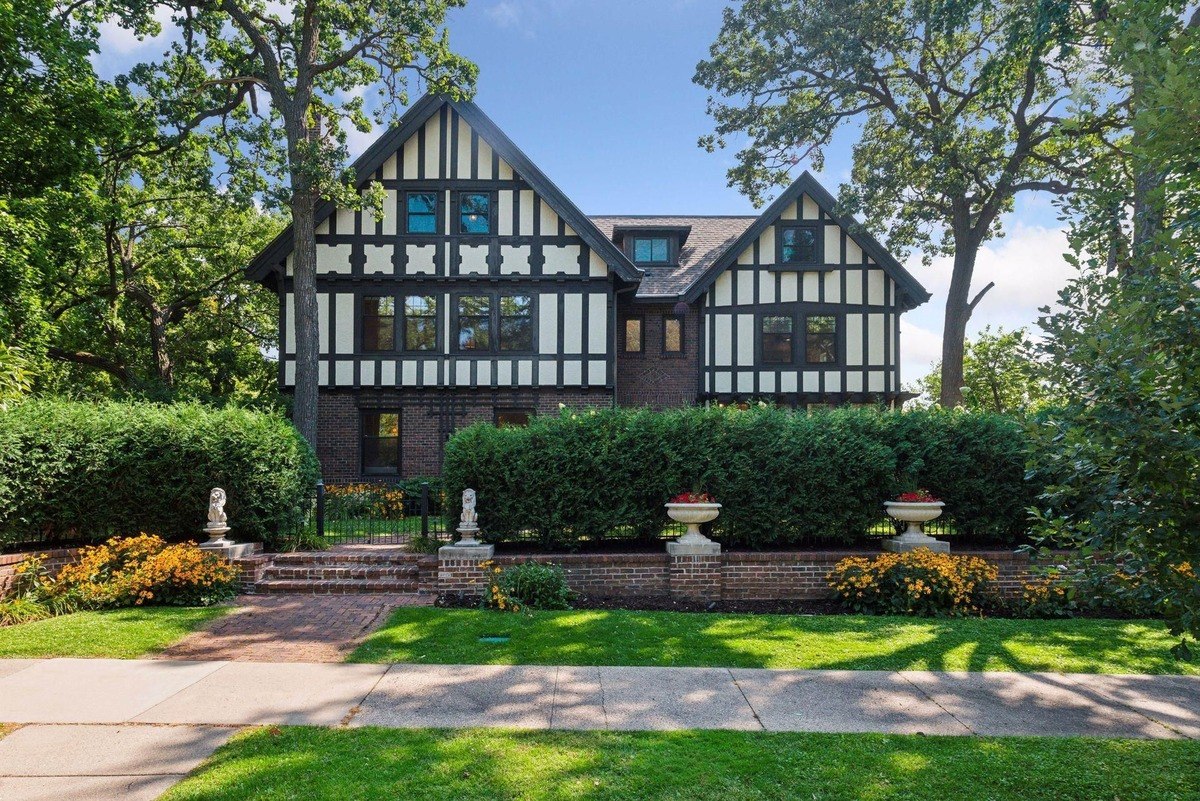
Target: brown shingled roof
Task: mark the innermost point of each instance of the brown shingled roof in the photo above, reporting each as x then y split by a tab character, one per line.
709	238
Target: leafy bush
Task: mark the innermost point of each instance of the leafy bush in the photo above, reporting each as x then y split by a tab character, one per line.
21	609
376	501
782	477
132	571
1047	596
529	585
919	582
71	470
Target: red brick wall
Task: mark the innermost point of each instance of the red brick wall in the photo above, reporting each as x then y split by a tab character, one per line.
653	378
422	421
766	576
53	560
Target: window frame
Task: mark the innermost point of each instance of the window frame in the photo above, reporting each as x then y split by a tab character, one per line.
361	317
437	323
494	337
528	411
641	321
666	238
838	355
762	351
818	229
673	354
362	441
491	215
437	212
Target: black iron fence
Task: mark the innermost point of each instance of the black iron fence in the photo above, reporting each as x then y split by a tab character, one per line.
373	514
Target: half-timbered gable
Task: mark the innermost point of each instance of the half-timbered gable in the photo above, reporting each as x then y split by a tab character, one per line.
803	308
477	273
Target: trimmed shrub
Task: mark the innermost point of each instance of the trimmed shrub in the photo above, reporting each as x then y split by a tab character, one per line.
919	582
78	471
782	477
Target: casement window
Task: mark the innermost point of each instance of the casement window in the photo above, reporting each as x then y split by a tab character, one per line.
420	322
497	322
380	442
421	213
378	323
820	339
474	213
513	418
651	249
776	339
633	335
801	244
672	334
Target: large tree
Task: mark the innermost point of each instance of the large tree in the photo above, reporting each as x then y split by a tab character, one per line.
961	106
999	374
1120	454
284	80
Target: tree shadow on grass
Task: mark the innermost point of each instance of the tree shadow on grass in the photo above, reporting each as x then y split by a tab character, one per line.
832	642
696	765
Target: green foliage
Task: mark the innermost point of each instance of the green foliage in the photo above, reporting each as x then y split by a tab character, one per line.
21	609
999	375
1120	455
71	470
533	586
16	377
782	477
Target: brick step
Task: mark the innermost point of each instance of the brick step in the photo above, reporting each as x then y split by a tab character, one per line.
389	557
339	587
341	572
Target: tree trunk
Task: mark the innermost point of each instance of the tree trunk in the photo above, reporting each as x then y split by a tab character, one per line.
158	346
304	278
958	312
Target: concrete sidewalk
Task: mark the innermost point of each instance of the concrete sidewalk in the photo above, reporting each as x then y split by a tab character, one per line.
111	691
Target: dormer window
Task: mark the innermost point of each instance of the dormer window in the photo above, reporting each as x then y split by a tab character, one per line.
651	249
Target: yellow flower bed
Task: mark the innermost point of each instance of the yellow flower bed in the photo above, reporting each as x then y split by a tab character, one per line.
919	582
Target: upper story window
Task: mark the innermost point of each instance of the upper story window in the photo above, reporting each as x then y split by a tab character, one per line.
776	339
801	244
379	323
474	213
820	346
651	249
672	335
421	213
633	335
495	322
420	322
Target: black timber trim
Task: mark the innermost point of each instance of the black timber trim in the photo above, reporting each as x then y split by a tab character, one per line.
910	288
366	165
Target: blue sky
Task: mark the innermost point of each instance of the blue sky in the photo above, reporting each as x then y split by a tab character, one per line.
599	93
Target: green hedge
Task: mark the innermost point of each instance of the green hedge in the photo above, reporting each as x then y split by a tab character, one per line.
782	477
71	470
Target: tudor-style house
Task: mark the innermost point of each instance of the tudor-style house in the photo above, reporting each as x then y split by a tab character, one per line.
484	293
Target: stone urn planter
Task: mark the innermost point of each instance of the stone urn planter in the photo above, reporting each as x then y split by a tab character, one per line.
693	509
914	508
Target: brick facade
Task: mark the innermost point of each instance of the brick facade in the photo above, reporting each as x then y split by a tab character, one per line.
653	377
53	560
427	418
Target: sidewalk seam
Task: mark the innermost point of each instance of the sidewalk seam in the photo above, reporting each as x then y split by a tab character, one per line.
354	710
224	664
934	701
745	698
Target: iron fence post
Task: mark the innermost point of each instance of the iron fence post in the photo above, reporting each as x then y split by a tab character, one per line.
425	510
320	508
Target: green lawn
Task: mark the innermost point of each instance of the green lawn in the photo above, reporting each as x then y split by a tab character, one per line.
451	636
694	765
120	633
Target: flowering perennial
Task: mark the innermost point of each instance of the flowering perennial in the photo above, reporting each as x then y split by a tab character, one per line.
919	582
693	497
920	496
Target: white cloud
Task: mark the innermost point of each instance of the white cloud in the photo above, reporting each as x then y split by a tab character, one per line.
1029	270
506	14
116	40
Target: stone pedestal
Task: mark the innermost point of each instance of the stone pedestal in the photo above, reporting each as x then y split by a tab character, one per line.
233	550
478	552
911	541
699	546
216	537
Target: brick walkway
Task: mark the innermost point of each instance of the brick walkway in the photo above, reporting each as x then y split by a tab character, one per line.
291	628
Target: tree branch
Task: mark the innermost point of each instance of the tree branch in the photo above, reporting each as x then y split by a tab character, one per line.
975	301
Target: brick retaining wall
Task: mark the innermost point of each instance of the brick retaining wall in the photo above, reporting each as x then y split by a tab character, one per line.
54	560
736	576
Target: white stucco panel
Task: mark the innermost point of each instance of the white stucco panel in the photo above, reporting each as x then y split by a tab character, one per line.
561	259
473	259
514	259
378	259
333	259
421	259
